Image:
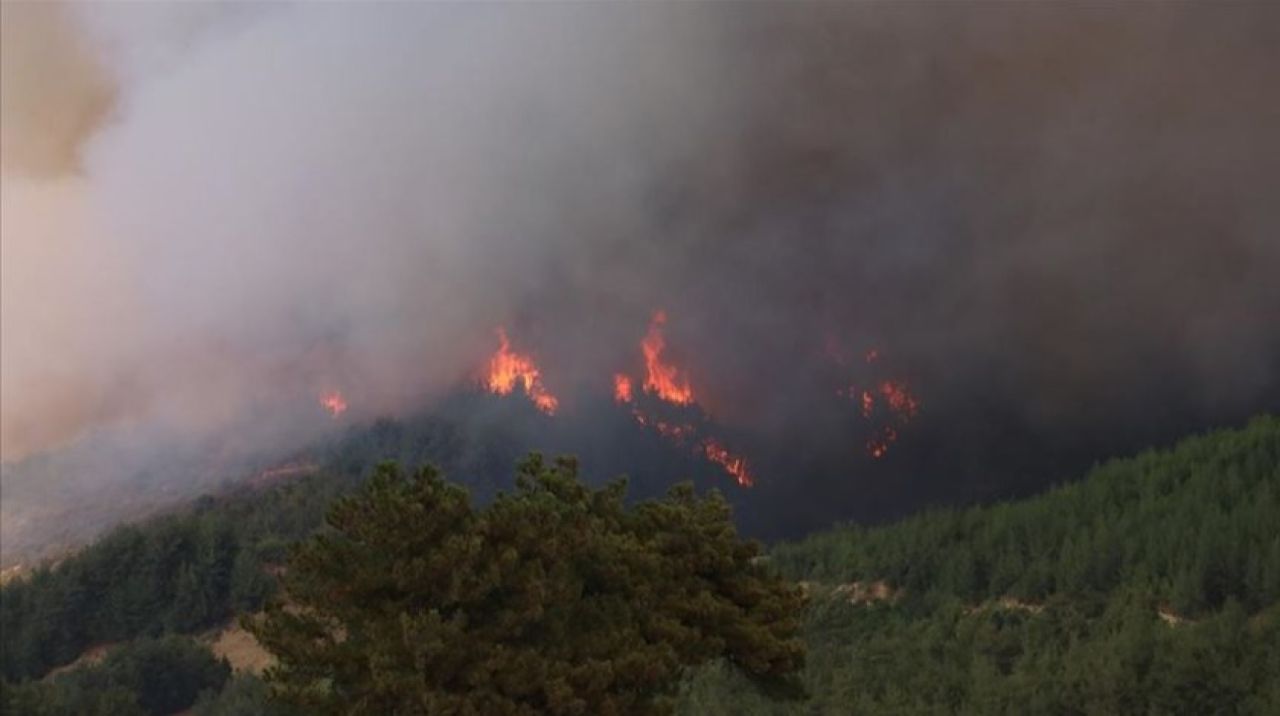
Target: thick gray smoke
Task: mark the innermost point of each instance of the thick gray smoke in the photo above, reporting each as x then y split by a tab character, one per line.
1054	220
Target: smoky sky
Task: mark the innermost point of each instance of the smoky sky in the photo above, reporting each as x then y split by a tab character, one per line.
1057	222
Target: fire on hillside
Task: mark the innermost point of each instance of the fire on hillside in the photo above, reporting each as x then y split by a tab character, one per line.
660	396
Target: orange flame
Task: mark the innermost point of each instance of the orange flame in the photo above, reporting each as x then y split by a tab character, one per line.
333	402
663	379
902	407
622	388
735	465
507	368
888	402
667	383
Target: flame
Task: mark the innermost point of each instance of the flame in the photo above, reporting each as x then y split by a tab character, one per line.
662	379
902	407
667	383
878	445
622	388
888	402
735	465
507	368
333	402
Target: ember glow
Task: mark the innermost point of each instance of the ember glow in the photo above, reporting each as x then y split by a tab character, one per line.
900	407
878	445
334	403
507	369
622	388
899	399
887	403
661	378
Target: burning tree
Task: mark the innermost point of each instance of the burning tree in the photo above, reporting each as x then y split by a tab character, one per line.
509	370
665	383
556	599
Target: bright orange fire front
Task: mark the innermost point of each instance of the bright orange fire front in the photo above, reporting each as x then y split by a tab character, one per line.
508	368
669	384
735	465
663	379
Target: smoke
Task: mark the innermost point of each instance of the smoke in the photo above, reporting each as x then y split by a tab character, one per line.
1056	221
318	195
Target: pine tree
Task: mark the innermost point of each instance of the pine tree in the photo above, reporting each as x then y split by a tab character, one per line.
556	599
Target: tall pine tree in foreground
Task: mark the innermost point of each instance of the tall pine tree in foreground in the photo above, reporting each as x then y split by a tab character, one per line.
556	599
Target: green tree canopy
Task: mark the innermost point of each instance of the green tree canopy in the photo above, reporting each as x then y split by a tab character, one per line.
557	599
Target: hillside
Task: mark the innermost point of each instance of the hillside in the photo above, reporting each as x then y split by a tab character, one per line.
1153	584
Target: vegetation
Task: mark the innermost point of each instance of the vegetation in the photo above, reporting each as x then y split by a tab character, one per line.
148	676
243	695
190	571
555	599
1193	526
1150	586
179	574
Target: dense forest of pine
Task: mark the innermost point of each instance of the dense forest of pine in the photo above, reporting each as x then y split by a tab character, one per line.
1151	585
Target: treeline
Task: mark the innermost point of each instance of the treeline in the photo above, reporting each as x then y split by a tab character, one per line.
1195	526
1068	657
196	568
1149	587
179	574
146	677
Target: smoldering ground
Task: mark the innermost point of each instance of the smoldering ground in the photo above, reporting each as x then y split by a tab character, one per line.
1056	223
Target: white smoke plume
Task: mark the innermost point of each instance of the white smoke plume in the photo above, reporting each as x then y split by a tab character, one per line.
245	204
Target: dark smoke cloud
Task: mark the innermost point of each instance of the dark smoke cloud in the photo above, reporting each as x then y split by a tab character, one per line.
1057	222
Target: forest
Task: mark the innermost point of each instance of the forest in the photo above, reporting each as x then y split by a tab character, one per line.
1151	584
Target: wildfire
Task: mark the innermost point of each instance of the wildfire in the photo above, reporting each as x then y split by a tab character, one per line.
663	379
900	407
676	432
898	397
879	444
333	402
888	401
669	384
735	465
507	369
622	388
